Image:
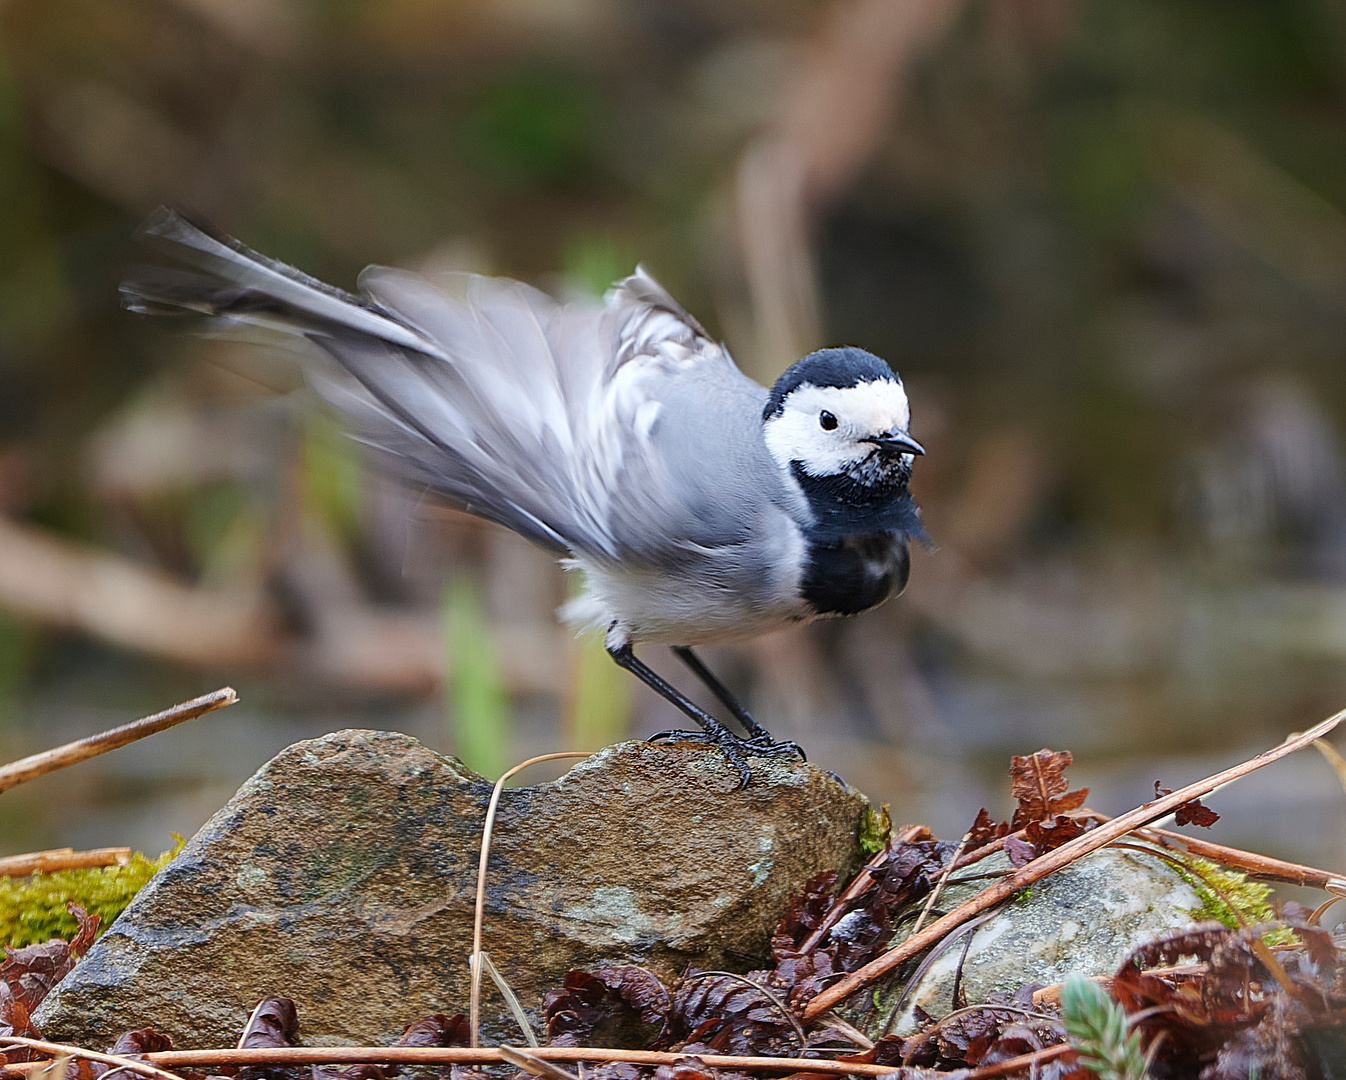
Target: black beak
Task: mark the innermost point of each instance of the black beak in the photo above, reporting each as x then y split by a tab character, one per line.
896	442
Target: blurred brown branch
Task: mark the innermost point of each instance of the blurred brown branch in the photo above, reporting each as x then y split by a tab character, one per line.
830	120
76	587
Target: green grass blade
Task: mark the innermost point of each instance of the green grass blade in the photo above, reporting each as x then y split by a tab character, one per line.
476	698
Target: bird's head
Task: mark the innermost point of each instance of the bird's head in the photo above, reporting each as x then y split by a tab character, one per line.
841	415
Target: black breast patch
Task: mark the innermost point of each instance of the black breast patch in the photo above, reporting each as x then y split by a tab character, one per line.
855	572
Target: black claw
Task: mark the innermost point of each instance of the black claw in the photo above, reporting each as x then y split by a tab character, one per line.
678	736
765	746
735	749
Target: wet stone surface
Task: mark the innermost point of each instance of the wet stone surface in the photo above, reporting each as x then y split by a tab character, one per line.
343	874
1084	918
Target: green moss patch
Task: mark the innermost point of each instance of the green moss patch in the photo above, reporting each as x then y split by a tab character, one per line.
33	909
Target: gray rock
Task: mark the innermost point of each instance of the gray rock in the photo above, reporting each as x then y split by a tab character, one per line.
1083	919
343	875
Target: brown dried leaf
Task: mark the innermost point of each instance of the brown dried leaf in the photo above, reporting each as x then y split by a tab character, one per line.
1047	835
617	999
1071	800
1136	989
1013	1040
985	829
639	990
805	977
32	971
964	1039
1320	948
437	1030
144	1041
1019	852
83	940
860	925
1036	779
887	1051
14	1020
1038	783
1192	812
1238	1016
906	875
572	1012
731	1015
803	915
274	1022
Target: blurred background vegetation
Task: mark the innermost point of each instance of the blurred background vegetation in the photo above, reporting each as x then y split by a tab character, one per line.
1103	242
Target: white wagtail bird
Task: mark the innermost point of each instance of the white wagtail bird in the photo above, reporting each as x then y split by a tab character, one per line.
699	506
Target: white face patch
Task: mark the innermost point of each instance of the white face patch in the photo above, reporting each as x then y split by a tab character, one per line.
862	411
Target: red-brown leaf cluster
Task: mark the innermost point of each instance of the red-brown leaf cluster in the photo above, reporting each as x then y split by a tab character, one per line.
1275	1013
822	934
1042	818
612	999
977	1037
28	974
1038	783
985	829
859	923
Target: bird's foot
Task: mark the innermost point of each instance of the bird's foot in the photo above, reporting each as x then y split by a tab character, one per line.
736	749
764	745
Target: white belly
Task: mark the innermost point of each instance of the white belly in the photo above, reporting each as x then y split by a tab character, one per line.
645	605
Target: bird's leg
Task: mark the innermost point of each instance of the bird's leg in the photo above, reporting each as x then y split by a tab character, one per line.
757	734
713	734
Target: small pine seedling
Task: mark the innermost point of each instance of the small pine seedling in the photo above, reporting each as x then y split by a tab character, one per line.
1097	1029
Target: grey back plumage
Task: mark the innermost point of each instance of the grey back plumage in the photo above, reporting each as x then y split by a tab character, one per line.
620	431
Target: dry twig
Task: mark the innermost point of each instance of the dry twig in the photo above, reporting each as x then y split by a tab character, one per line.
485	1055
46	862
475	964
1022	1063
1049	863
63	1050
531	1063
16	772
939	885
1250	862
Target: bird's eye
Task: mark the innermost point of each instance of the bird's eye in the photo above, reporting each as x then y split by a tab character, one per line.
827	420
